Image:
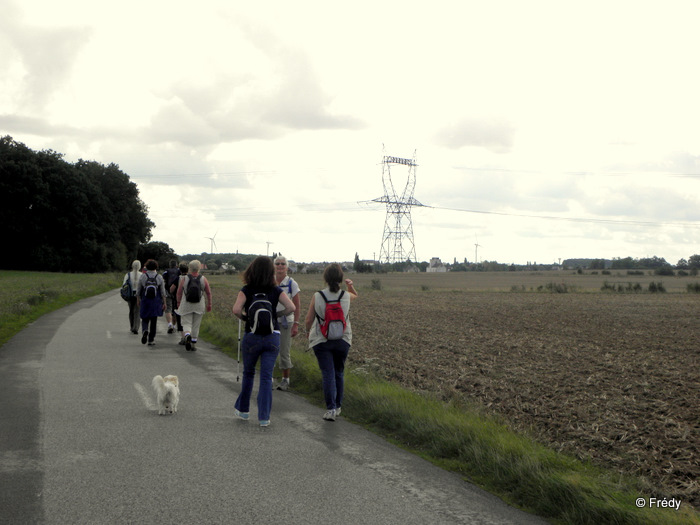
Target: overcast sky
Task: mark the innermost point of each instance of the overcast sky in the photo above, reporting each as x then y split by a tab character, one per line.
542	130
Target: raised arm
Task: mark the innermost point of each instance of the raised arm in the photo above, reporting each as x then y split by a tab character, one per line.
351	289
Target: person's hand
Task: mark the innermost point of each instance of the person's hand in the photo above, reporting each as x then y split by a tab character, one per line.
295	329
208	308
348	282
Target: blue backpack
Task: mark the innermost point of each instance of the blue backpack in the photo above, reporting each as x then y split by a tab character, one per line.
127	290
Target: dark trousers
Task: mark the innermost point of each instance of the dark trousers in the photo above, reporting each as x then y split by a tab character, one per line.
133	315
151	329
177	316
331	357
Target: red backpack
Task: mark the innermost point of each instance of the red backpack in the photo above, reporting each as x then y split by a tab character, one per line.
333	323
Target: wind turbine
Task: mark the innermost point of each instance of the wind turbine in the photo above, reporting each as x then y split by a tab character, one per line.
476	250
213	242
268	247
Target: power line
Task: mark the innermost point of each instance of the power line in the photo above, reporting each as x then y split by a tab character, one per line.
570	219
352	207
611	173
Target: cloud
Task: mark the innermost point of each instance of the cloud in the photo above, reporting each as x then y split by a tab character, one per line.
494	134
46	56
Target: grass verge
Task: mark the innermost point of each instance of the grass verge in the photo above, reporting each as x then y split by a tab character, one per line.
26	296
482	450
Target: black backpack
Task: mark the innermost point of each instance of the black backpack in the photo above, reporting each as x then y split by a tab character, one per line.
171	276
150	290
193	294
261	315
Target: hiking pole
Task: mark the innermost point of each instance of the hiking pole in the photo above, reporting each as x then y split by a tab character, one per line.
238	366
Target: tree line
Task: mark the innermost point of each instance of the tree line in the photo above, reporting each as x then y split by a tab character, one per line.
81	217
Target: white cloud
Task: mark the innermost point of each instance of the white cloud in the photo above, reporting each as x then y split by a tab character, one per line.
255	121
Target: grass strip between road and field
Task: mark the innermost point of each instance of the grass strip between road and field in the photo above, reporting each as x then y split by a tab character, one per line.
26	296
484	451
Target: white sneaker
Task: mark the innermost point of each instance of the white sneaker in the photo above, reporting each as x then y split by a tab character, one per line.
284	385
337	412
329	416
242	415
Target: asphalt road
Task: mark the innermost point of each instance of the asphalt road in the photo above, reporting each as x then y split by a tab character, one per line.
81	442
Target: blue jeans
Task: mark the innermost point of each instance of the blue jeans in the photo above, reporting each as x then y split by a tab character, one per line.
265	348
331	357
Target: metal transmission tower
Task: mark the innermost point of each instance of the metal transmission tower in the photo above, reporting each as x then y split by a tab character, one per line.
397	242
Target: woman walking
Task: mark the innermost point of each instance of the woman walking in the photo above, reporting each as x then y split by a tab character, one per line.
150	294
132	278
193	299
330	335
256	304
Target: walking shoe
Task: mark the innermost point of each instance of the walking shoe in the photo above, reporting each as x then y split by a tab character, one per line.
284	384
170	329
151	343
194	346
188	342
242	415
182	341
337	412
329	416
264	422
144	337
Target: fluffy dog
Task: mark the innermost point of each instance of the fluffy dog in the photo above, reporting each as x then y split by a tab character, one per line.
168	393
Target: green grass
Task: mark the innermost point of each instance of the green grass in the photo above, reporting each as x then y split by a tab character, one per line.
481	449
458	438
26	296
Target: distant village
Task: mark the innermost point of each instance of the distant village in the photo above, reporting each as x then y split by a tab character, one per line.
232	263
236	263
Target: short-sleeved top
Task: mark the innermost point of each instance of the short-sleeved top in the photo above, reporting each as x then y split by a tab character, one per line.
291	288
315	335
272	295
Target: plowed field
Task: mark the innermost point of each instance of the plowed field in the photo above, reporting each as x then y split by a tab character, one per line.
612	378
606	377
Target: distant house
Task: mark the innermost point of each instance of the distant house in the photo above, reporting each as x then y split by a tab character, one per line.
436	266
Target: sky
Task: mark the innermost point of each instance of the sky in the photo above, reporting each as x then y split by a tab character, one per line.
541	130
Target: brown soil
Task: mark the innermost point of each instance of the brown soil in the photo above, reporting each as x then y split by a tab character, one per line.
612	378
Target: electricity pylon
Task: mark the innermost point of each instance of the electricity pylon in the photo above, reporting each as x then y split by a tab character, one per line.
397	241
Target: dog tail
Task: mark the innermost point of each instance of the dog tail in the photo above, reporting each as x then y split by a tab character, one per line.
158	382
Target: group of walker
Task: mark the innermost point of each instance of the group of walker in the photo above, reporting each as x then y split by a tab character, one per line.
181	293
264	284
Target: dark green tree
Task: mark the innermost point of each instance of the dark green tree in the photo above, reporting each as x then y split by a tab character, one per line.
64	217
359	266
158	251
694	262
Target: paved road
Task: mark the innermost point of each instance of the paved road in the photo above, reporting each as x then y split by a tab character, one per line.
81	442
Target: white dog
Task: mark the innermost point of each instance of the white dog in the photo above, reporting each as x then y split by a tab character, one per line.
168	393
